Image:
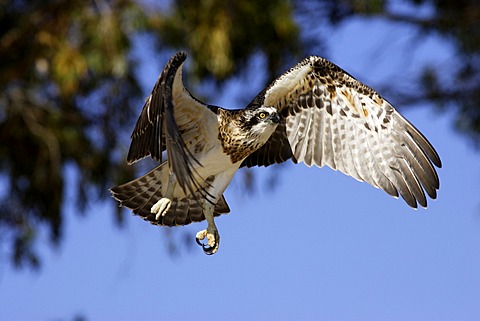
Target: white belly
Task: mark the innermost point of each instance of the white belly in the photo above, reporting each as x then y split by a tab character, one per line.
213	162
220	165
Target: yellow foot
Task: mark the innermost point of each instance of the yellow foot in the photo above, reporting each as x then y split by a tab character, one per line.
213	240
161	207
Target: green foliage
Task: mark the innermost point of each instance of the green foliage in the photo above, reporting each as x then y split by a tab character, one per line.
64	83
68	92
69	95
222	35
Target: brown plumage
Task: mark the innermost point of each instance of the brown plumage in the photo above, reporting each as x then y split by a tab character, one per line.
314	113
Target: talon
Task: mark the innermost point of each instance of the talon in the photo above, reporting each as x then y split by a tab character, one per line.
213	241
161	207
200	236
209	250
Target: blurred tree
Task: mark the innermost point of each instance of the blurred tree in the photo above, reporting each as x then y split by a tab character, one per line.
456	22
65	81
69	95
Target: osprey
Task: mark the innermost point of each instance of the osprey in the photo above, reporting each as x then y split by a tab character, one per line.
315	113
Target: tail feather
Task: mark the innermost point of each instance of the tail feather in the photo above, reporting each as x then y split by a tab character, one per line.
141	194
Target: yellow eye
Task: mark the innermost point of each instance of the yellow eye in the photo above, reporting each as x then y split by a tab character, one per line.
262	115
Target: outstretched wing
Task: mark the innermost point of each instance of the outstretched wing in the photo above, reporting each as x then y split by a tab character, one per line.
171	120
330	118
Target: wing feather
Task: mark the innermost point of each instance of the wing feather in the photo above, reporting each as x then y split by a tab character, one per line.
173	120
351	152
330	118
141	194
276	150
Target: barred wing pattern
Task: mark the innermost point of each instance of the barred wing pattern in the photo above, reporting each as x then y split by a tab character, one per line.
330	118
170	117
142	193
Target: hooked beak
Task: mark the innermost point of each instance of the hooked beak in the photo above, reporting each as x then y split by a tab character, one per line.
275	118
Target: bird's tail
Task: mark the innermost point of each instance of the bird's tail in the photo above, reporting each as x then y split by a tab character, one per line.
142	193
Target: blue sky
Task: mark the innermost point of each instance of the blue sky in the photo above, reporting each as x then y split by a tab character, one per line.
320	246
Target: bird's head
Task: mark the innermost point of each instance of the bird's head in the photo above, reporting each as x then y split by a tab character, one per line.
243	131
260	121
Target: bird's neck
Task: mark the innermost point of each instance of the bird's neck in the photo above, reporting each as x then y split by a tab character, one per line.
237	142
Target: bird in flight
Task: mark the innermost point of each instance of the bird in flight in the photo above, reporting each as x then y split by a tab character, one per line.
315	113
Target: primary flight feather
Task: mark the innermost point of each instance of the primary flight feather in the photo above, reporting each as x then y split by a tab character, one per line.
315	113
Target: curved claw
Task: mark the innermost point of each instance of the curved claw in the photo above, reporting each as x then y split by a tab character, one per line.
209	250
213	241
